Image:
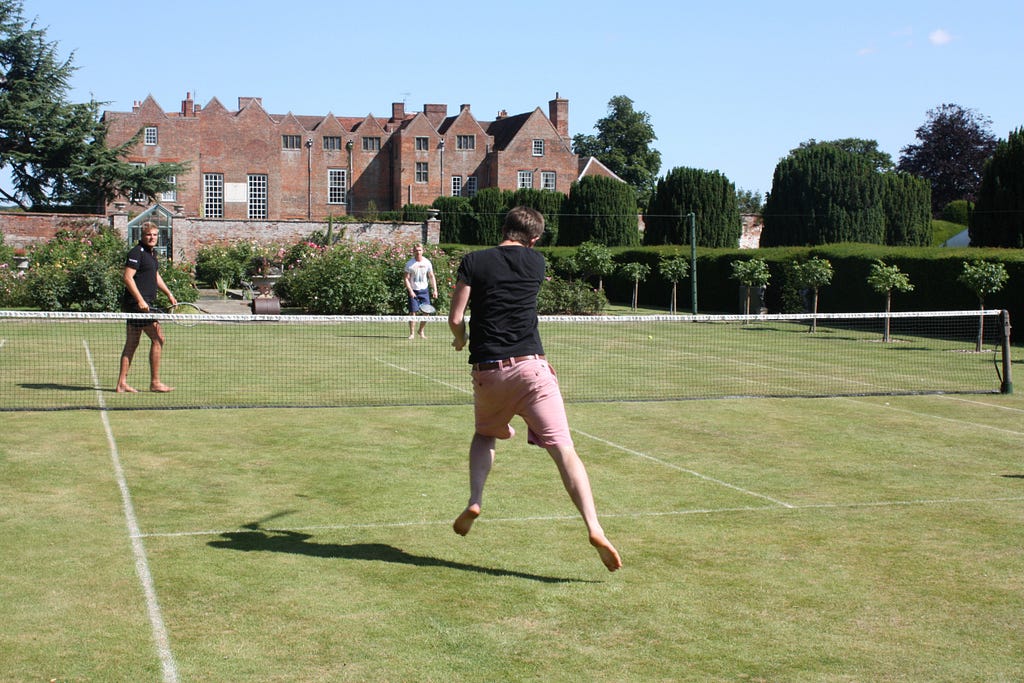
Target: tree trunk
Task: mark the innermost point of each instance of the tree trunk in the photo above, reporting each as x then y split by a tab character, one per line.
981	326
672	305
888	304
814	321
636	292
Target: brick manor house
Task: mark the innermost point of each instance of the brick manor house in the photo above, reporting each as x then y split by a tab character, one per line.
251	165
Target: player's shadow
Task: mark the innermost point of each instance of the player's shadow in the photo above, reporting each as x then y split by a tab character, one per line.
255	539
57	387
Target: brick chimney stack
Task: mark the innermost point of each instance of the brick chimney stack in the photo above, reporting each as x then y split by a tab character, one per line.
558	112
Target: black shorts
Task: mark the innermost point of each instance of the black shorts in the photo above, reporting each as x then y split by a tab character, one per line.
139	323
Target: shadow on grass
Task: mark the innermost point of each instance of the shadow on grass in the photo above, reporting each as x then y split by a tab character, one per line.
255	539
58	387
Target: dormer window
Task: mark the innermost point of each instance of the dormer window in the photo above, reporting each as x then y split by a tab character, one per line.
149	136
538	148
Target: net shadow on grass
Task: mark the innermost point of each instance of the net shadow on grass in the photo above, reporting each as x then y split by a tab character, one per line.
255	539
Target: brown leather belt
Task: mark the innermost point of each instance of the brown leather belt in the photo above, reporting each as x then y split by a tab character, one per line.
505	362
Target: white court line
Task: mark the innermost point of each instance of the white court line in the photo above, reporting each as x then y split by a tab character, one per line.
624	449
156	619
617	515
981	403
954	420
413	372
683	469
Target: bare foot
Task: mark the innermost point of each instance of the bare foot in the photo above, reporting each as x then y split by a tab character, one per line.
464	522
412	336
422	336
609	555
160	387
124	388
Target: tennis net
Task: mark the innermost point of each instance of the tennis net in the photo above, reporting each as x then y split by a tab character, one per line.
51	361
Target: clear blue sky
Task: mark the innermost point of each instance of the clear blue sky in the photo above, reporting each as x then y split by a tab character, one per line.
728	86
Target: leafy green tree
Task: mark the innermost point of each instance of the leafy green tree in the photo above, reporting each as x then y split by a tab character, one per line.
822	194
623	144
998	216
983	279
866	149
593	259
749	203
954	144
709	195
601	210
673	269
813	274
750	273
883	279
637	272
56	151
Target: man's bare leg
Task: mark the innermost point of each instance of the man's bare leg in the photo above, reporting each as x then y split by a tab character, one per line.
577	484
412	329
422	334
156	338
131	343
481	458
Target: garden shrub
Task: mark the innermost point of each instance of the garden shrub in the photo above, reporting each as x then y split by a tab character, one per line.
560	297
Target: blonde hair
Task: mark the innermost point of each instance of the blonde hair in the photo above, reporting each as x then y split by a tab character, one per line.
149	226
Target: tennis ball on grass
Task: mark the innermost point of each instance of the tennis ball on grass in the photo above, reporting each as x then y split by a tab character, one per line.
650	336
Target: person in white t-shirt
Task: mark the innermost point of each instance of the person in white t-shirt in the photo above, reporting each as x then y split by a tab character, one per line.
421	285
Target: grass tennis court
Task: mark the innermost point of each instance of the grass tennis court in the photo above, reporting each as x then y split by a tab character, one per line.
846	539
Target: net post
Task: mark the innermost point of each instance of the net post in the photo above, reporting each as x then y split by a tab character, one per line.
1007	385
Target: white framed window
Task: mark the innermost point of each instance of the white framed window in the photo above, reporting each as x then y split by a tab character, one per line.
371	144
538	148
456	186
465	142
257	196
422	144
332	143
149	135
170	195
470	187
422	172
524	181
291	142
547	180
135	195
213	195
337	186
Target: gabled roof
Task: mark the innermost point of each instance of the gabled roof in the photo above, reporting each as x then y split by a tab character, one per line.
504	130
593	166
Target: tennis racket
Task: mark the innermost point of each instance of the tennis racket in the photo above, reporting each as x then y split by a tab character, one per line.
185	310
428	309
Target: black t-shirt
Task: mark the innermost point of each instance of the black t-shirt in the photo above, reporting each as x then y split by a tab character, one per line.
504	282
146	268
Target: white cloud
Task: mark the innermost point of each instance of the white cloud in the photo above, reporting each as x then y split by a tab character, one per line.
939	37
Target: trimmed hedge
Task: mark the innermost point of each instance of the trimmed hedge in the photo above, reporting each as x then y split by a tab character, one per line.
934	272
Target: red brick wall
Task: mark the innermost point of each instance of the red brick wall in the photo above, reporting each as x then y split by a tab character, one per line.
23	229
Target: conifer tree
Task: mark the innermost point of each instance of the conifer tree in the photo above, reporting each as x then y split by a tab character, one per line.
709	195
998	216
602	210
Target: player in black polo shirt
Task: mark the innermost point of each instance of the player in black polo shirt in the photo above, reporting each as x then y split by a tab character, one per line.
511	375
142	281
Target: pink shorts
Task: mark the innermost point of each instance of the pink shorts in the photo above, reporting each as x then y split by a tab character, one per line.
529	389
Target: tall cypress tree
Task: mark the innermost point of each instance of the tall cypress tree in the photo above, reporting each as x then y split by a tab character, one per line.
998	216
822	194
548	203
709	195
907	202
601	210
